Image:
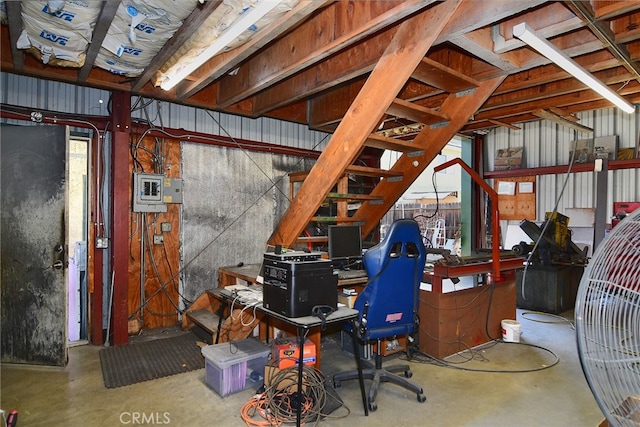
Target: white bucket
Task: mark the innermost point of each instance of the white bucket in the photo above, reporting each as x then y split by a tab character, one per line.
511	330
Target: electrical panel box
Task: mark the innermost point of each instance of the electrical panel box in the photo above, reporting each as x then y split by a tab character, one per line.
172	190
148	193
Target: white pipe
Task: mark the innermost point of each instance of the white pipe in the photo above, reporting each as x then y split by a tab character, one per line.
106	339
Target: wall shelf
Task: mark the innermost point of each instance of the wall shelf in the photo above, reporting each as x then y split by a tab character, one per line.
555	170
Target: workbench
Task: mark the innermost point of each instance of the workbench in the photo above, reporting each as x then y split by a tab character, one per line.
455	320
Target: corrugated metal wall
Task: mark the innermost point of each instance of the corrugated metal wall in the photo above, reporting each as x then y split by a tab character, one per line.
67	98
264	129
548	144
53	96
232	198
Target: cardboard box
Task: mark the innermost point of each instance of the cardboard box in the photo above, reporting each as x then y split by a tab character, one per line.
288	379
287	353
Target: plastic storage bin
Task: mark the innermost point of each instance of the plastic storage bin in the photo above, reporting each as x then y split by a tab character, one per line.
236	366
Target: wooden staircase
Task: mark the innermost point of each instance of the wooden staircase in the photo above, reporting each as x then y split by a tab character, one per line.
203	319
404	59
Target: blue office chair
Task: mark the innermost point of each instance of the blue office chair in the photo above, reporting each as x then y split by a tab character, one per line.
388	305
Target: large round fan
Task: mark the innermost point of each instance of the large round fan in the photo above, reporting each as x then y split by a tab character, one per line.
607	315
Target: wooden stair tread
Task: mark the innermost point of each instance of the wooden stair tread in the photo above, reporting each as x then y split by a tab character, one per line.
442	77
373	172
205	319
386	143
335	219
298	176
348	196
353	169
417	113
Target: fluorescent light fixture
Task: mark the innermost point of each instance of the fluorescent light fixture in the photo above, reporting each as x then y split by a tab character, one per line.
529	36
248	18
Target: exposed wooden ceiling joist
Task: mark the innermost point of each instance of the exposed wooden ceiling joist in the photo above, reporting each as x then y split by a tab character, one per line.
304	49
14	18
309	64
191	25
107	13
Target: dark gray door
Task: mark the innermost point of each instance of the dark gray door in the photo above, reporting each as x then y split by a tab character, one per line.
33	291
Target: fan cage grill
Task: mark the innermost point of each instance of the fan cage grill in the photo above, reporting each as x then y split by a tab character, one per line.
608	323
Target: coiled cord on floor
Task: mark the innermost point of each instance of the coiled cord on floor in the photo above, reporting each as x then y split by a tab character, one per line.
421	357
280	401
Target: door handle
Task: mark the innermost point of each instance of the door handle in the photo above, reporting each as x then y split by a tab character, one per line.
58	265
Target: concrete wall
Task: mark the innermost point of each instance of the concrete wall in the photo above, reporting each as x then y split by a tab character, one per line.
232	201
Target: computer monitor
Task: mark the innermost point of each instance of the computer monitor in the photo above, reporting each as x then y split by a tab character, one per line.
344	241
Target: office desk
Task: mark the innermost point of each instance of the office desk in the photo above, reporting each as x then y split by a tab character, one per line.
229	275
248	275
305	324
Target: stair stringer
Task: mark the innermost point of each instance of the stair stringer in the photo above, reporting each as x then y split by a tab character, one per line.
431	140
412	40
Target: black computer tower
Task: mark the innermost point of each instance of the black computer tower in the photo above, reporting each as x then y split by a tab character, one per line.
293	288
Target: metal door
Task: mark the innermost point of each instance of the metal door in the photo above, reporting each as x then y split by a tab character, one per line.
33	292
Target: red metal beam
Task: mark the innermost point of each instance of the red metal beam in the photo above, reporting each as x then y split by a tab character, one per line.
120	179
138	128
560	169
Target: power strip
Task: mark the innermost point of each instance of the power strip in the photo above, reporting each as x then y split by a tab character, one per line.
249	296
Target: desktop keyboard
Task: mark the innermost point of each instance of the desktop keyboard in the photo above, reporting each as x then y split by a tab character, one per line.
351	274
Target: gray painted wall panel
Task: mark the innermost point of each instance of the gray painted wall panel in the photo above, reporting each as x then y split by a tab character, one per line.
231	204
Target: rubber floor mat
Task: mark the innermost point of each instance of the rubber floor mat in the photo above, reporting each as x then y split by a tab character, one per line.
150	360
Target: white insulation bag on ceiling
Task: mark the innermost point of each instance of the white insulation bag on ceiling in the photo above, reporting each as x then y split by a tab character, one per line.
138	31
58	32
220	19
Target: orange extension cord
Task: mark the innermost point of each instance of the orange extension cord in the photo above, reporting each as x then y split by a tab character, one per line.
261	405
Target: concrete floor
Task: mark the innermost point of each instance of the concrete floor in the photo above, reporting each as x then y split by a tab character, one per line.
556	396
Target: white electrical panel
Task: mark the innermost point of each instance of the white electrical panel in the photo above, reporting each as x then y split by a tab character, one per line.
148	193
